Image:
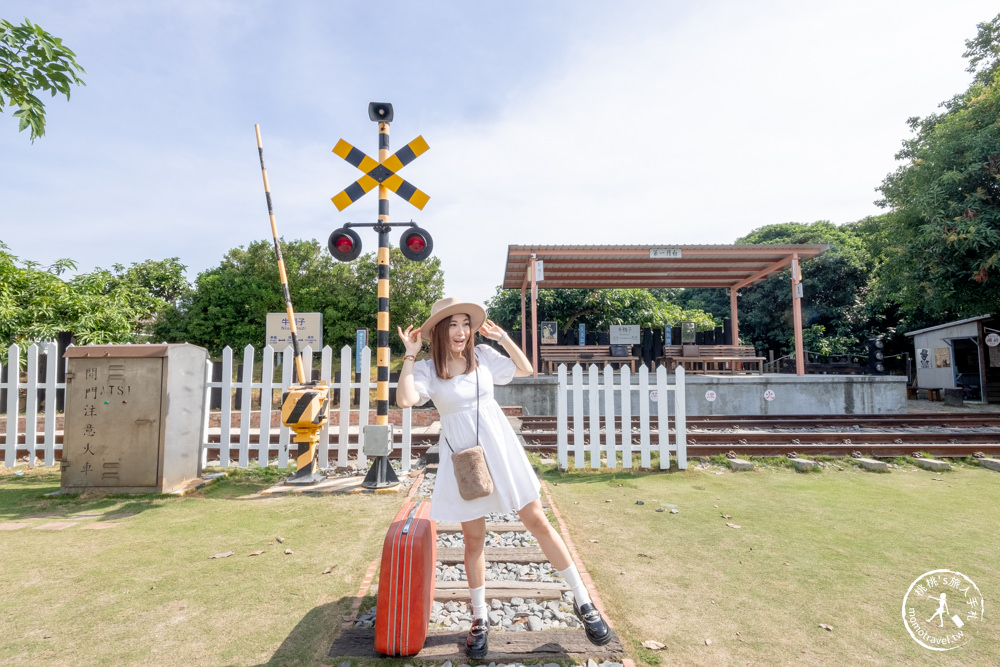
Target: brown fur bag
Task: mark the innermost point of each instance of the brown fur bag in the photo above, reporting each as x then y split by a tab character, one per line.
471	471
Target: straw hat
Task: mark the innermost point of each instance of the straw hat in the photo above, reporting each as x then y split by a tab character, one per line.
445	308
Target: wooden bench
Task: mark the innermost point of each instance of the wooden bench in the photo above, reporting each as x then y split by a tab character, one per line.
933	393
553	355
712	358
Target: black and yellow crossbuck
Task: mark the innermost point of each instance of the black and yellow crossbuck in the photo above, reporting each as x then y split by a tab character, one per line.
383	173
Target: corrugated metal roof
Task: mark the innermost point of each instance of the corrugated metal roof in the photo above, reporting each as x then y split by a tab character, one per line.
661	265
949	324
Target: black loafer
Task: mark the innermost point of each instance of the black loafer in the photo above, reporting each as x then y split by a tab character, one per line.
477	645
597	630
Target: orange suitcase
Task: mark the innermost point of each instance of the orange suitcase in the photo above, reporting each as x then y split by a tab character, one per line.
406	581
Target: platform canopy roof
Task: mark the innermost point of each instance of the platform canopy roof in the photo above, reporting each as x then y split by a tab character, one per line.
631	266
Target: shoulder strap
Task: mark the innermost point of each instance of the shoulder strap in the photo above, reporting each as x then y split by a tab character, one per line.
448	444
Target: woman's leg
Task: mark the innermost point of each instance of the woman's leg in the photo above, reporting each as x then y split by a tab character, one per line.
474	535
534	519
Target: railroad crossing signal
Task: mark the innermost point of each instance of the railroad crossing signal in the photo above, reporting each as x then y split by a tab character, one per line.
381	173
416	245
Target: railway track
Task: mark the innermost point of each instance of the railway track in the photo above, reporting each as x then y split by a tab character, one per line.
947	435
839	435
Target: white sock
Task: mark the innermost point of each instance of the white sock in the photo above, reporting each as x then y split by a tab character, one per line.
572	577
480	609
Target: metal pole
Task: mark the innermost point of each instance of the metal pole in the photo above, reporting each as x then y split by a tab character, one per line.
281	263
382	337
534	320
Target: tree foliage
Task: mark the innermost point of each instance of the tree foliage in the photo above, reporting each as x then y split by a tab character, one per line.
835	286
945	198
598	309
32	60
104	306
229	303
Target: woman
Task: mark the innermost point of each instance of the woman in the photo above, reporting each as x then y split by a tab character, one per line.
450	378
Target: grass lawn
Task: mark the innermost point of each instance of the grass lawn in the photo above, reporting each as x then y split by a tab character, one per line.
839	548
145	592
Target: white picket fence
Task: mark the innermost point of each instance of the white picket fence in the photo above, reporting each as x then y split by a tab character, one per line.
601	400
334	443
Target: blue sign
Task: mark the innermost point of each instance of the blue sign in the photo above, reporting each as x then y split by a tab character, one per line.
361	341
583	335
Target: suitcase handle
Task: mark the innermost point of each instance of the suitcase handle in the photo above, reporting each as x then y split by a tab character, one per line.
410	518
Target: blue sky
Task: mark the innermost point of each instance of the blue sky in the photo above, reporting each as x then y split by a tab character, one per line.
548	122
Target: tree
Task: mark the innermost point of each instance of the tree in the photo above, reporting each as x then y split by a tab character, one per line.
835	286
945	199
32	60
100	307
229	303
598	309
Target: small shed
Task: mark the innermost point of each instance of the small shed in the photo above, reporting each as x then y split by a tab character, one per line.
964	354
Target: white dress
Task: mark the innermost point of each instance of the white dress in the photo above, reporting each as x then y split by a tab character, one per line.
514	481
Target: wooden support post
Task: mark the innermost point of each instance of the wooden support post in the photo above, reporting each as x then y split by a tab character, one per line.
800	361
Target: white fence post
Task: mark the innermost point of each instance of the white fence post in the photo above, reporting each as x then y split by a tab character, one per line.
663	417
365	388
52	362
225	419
595	417
246	387
644	460
284	433
325	366
31	403
266	399
680	419
578	434
562	417
626	391
13	389
609	416
343	434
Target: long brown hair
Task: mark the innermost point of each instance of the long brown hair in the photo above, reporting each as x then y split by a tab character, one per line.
439	349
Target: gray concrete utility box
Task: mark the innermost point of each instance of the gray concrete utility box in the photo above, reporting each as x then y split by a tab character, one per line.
133	417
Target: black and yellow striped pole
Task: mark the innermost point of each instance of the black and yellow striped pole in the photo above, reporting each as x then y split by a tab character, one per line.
303	406
415	244
281	263
382	337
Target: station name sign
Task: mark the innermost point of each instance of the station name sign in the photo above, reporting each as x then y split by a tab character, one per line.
308	329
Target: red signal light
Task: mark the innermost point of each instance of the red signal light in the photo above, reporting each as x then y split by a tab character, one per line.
416	244
344	244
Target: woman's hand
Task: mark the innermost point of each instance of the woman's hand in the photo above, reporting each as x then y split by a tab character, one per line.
412	339
491	330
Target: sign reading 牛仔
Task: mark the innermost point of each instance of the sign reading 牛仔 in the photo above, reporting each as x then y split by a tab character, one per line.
308	329
624	334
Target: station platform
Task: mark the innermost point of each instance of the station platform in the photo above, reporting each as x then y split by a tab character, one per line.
768	394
